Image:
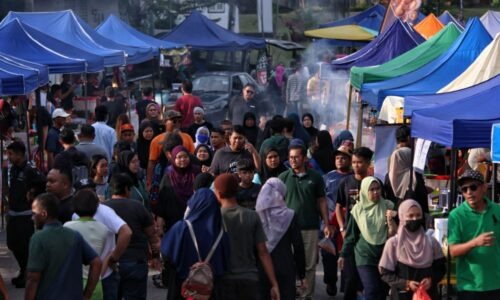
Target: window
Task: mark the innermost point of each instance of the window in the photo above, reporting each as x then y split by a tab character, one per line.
217	8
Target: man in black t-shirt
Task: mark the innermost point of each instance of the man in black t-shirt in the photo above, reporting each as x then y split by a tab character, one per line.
225	159
147	98
247	190
134	261
347	196
67	92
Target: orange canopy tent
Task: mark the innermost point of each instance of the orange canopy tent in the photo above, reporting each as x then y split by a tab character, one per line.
429	26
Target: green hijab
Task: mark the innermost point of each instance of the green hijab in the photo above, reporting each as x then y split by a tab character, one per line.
370	216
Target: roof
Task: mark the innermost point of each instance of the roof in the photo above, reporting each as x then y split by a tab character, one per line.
429	26
343	32
19	77
285	45
370	18
69	28
407	62
398	39
486	66
22	45
198	32
120	32
491	20
464	123
437	73
446	17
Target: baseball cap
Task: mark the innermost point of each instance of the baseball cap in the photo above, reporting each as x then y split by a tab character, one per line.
59	113
344	149
172	114
245	165
471	174
198	110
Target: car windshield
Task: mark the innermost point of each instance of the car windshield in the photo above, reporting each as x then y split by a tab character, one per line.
211	83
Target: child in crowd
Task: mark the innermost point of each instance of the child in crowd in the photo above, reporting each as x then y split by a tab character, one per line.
247	190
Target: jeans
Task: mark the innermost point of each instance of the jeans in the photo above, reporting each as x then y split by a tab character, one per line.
311	239
375	288
110	286
133	280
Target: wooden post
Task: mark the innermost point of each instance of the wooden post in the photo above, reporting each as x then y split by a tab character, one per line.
349	101
359	132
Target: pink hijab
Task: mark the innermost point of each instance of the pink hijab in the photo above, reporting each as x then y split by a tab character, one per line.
278	75
414	249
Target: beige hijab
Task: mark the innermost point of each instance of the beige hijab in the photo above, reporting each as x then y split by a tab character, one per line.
400	172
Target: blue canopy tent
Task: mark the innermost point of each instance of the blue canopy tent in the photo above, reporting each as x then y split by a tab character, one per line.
20	79
42	70
120	32
22	45
67	27
200	33
446	18
436	74
465	123
398	39
94	62
418	102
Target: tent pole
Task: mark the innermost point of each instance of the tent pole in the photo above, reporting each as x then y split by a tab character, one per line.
494	183
153	77
349	103
28	147
2	206
359	131
85	95
39	130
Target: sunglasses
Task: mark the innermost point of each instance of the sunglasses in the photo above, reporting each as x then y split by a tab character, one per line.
472	187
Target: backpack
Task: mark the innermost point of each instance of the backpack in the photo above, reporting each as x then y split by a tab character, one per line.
200	281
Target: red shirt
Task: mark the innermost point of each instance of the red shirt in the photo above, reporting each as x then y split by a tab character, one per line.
185	105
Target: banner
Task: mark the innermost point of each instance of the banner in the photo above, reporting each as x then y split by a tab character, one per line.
385	143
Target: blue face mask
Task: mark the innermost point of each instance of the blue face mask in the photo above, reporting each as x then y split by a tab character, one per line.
202	138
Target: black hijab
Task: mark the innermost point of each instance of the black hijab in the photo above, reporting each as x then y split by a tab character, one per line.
143	144
325	154
124	159
251	133
313	131
266	172
210	155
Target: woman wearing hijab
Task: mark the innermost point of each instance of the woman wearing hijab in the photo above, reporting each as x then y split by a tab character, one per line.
271	166
344	135
412	258
276	86
399	179
283	234
202	136
176	187
153	116
367	231
146	135
128	163
308	124
250	128
324	155
204	155
178	248
298	130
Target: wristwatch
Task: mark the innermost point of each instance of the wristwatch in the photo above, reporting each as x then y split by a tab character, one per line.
341	229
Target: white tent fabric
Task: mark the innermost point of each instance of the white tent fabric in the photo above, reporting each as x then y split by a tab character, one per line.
491	20
486	66
389	109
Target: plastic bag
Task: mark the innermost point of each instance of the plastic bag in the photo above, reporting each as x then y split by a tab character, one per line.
421	294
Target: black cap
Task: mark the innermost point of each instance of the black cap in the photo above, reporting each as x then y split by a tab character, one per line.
472	175
245	165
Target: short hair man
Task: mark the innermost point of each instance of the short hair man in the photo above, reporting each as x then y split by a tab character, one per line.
247	190
473	235
187	103
24	182
217	139
306	196
134	262
225	159
241	104
104	135
87	145
246	239
71	155
56	257
60	184
403	137
199	121
227	126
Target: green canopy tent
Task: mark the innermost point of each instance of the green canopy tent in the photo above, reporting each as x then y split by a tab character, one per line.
407	62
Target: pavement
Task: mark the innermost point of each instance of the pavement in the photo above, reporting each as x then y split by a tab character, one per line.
9	269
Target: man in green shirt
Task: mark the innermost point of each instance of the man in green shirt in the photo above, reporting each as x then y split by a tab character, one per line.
306	196
473	229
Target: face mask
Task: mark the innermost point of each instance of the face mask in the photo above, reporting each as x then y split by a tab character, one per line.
414	225
202	138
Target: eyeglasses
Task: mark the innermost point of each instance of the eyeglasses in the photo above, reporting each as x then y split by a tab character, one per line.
250	92
472	187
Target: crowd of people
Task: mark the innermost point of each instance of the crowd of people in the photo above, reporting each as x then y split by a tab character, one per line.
258	199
